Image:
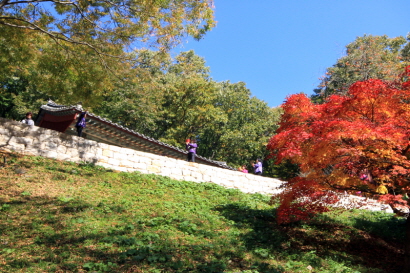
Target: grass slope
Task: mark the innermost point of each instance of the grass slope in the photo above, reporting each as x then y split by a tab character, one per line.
65	217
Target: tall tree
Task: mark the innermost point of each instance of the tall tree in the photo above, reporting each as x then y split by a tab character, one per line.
80	50
188	100
355	143
54	70
137	102
243	133
175	100
368	57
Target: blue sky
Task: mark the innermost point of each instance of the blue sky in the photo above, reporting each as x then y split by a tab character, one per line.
279	48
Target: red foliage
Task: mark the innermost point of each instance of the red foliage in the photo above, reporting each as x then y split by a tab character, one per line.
334	143
302	199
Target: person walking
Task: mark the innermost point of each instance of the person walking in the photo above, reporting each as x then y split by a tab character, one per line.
191	146
257	167
81	123
28	119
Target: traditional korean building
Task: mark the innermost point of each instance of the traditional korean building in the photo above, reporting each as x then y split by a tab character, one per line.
62	118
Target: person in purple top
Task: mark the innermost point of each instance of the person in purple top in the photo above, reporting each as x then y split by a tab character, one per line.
191	146
257	167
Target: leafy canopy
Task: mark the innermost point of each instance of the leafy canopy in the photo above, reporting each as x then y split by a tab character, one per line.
101	24
82	50
176	100
335	143
368	57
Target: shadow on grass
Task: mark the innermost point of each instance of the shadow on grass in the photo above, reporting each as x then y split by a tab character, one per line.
264	239
53	232
366	243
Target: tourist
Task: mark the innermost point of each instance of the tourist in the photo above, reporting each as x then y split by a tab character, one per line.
28	119
257	167
191	146
81	123
244	169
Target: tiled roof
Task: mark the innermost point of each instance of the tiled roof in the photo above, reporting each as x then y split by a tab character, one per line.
106	131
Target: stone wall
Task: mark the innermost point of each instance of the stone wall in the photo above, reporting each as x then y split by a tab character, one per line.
31	140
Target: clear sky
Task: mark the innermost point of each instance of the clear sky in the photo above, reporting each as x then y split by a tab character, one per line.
282	47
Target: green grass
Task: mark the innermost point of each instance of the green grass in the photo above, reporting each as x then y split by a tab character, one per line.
66	217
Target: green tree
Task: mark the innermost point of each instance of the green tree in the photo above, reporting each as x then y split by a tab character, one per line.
16	98
368	57
242	134
54	70
137	103
175	100
189	95
102	25
83	50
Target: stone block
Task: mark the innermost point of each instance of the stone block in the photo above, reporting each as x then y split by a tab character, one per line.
98	151
103	145
156	162
61	149
30	152
114	162
171	164
198	176
191	179
102	159
121	169
133	158
115	148
153	169
89	157
144	160
107	153
4	131
177	172
49	154
105	165
119	156
72	152
127	151
16	147
165	171
63	156
126	163
176	176
140	166
70	143
145	171
206	178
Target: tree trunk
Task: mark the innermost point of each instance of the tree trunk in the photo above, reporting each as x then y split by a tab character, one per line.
406	268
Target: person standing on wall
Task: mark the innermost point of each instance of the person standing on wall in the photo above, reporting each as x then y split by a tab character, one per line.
28	119
191	146
257	167
81	123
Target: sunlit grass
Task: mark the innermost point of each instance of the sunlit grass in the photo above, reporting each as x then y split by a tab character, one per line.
65	217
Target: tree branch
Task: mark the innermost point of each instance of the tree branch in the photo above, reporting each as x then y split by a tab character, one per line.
3	3
54	35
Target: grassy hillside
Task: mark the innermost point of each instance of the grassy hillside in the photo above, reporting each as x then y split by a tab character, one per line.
65	217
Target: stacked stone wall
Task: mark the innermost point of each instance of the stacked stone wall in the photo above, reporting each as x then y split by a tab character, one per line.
31	140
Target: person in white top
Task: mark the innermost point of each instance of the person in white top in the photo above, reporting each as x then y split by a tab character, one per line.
28	119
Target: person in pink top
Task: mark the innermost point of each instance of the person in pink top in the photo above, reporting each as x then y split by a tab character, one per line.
244	170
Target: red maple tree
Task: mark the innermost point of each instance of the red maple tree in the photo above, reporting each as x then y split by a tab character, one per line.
354	143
